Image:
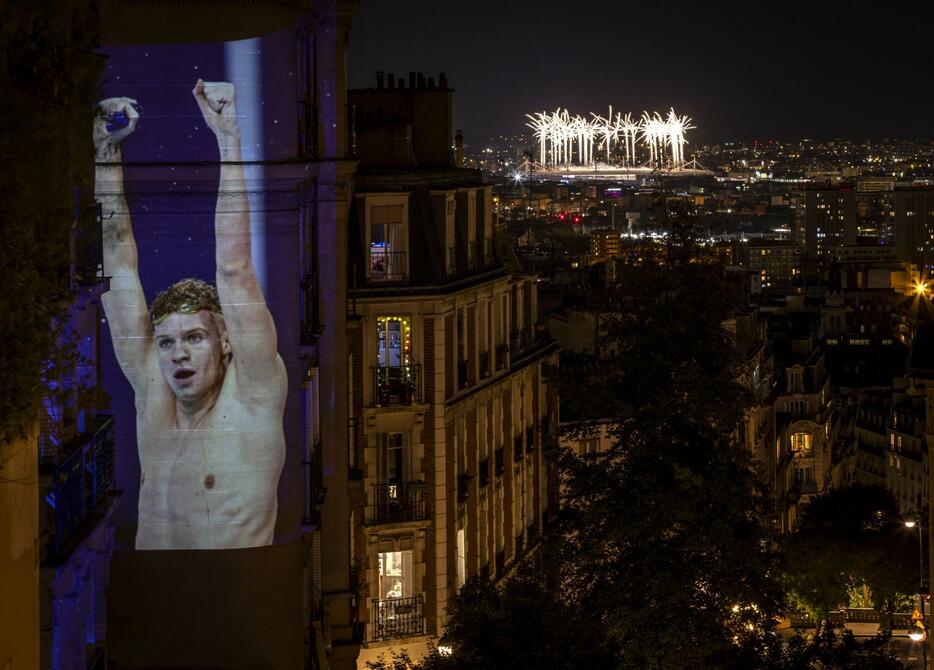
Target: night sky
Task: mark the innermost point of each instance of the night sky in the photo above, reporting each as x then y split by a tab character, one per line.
752	70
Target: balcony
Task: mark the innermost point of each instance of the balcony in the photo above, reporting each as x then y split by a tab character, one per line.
484	472
397	617
396	385
387	266
81	476
500	462
502	352
484	364
517	449
399	502
529	440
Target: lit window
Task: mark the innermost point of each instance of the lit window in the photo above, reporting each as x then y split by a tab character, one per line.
801	445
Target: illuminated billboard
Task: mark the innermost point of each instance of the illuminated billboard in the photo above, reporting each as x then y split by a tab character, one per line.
201	306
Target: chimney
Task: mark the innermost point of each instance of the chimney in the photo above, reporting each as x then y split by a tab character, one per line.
431	82
421	80
411	80
379	80
443	80
391	81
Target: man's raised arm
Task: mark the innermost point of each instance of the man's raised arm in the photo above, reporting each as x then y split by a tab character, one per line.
250	327
125	302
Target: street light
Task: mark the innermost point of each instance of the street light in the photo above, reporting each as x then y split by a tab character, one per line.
919	631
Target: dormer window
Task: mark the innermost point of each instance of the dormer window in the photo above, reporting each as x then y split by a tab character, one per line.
387	237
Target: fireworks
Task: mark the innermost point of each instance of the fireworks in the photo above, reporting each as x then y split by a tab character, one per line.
565	140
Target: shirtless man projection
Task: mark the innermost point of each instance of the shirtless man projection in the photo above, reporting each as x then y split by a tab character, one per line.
209	385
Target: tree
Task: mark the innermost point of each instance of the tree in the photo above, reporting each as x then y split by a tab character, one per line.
663	534
850	537
48	75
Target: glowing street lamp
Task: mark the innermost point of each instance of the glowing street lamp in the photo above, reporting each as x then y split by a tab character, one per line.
921	288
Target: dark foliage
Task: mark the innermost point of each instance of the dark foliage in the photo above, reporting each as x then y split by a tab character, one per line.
48	76
848	537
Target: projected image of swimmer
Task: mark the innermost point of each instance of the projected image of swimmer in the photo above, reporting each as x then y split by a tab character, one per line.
209	385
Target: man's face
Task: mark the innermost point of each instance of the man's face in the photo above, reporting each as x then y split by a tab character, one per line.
192	354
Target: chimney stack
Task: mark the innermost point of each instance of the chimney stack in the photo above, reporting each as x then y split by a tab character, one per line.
431	82
379	80
411	80
443	80
391	81
421	80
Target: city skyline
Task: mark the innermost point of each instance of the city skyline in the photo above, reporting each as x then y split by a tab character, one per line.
742	72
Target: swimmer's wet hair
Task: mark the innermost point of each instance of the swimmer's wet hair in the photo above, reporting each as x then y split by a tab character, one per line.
186	296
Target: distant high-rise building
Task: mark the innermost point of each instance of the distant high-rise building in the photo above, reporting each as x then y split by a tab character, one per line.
605	244
914	226
777	262
829	221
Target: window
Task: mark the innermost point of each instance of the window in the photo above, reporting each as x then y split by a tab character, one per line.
394	341
804	475
590	446
393	461
388	242
801	445
395	574
449	233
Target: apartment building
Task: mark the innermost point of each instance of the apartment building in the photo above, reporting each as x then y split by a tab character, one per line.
449	401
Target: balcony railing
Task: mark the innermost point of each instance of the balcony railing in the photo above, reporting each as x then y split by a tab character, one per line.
484	364
396	385
397	502
502	351
484	472
529	439
81	480
397	617
388	265
517	449
499	461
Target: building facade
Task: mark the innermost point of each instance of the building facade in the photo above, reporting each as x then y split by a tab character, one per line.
449	403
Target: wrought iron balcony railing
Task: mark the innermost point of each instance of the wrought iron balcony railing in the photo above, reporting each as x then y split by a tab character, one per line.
81	479
396	385
397	617
484	472
388	266
396	502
